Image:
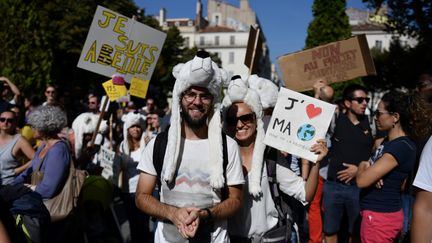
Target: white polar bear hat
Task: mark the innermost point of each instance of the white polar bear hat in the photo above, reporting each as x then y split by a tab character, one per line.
238	91
201	71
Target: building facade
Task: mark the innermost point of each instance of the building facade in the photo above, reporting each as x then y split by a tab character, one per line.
225	32
373	25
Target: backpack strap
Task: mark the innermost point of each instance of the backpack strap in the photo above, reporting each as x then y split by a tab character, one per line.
159	149
284	210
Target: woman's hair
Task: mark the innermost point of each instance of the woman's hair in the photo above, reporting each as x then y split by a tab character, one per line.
49	120
415	114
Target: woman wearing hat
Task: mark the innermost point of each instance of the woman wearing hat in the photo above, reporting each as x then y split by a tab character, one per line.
130	150
243	121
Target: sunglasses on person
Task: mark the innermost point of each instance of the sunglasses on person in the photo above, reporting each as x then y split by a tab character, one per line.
361	99
245	119
50	91
378	113
9	120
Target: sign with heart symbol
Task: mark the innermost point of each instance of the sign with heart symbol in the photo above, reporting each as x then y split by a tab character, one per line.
293	127
312	111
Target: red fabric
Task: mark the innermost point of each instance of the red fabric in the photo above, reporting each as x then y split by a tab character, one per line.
314	215
379	227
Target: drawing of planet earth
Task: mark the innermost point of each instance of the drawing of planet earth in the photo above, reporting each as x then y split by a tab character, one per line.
306	132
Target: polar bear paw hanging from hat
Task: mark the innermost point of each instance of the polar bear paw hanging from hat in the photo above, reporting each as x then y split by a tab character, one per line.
201	71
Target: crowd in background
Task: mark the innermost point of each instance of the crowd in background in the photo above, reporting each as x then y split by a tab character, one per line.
368	173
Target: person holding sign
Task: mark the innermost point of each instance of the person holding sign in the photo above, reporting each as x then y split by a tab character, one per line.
199	173
258	219
130	151
382	178
352	143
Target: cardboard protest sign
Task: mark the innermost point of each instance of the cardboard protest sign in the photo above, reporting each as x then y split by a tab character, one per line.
254	49
114	91
298	121
107	161
139	87
333	62
119	45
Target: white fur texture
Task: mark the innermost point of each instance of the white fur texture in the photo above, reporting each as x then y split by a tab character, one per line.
85	123
267	90
129	120
238	91
201	72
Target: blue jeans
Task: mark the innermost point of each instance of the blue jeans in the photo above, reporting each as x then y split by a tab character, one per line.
407	206
337	199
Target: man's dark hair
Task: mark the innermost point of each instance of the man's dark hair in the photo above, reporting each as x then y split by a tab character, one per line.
348	92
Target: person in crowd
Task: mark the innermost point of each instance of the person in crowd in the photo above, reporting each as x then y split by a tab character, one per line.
325	93
85	153
150	106
424	86
10	89
52	157
191	205
422	215
93	104
351	143
153	127
50	95
130	152
384	175
243	121
12	147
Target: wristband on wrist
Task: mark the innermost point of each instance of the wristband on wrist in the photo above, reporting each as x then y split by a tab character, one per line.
209	217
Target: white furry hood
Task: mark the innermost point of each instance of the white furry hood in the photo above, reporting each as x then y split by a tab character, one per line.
201	71
238	91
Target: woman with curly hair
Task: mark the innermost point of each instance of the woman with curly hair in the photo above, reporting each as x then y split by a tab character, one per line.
403	117
52	158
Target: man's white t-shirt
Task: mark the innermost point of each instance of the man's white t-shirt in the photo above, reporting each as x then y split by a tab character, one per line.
423	178
191	187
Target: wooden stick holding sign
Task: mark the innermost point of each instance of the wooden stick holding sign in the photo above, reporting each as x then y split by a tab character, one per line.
104	105
254	49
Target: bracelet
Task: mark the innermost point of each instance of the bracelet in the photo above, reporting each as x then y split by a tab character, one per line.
209	217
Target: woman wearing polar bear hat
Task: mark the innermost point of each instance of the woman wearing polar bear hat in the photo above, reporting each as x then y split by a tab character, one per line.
258	217
192	206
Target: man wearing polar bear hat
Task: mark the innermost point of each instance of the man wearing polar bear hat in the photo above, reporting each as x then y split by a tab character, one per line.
198	191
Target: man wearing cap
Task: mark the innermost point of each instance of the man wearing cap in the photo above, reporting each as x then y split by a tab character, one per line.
192	207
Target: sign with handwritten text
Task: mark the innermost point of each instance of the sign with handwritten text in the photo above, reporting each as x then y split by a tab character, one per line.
119	45
114	91
298	121
107	161
139	87
334	62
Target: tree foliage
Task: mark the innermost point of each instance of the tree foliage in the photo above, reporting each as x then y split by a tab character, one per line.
330	23
43	39
401	66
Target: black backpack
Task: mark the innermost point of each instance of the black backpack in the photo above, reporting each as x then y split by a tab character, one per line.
285	214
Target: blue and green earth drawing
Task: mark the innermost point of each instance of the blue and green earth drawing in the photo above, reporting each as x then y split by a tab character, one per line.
306	132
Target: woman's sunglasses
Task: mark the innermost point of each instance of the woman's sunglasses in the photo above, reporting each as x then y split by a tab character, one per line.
245	119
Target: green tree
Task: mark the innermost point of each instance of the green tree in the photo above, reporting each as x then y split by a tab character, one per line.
410	18
330	23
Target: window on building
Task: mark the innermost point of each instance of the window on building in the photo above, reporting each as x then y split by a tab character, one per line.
216	19
231	57
202	40
216	40
232	40
186	42
378	45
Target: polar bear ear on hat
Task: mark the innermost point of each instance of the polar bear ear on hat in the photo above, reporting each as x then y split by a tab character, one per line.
237	88
177	69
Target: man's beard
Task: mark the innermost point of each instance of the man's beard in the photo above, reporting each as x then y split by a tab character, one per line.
193	123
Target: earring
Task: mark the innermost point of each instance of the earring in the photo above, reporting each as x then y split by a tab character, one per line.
394	124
